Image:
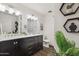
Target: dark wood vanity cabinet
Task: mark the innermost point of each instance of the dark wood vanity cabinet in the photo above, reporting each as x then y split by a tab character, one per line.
21	46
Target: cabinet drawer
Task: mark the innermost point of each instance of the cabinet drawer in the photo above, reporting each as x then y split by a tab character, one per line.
6	46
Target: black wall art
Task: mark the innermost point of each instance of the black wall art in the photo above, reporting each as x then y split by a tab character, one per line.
72	25
69	8
16	27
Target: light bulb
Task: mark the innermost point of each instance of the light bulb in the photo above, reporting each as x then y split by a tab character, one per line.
17	13
11	11
2	8
34	18
29	16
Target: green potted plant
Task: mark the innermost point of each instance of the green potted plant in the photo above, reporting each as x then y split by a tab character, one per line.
65	46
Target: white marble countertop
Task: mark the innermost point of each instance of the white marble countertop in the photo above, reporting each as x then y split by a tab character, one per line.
12	36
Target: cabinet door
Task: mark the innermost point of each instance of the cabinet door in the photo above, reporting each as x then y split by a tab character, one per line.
39	43
6	48
10	47
27	45
16	48
25	42
23	45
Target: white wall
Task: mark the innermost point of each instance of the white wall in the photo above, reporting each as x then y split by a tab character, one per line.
60	19
49	28
54	22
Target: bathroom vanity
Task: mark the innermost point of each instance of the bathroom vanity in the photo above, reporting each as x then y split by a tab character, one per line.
21	46
19	34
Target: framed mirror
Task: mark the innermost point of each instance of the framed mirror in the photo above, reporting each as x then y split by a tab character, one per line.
10	20
9	23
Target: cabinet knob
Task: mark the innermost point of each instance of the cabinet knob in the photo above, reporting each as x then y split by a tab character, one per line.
15	42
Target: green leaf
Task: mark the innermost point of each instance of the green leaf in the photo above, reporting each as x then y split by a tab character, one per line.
63	43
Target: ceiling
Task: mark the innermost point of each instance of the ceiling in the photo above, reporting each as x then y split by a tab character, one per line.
41	8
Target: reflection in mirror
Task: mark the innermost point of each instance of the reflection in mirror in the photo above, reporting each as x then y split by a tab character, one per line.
33	25
9	20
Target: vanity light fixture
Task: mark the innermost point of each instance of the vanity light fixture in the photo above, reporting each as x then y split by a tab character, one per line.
32	17
4	8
